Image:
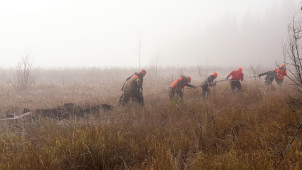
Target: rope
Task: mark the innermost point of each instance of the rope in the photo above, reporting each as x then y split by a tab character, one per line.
152	94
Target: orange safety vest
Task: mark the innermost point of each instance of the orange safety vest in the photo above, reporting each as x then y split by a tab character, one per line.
281	73
179	83
135	76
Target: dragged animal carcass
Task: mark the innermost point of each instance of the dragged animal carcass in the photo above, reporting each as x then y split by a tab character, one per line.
62	112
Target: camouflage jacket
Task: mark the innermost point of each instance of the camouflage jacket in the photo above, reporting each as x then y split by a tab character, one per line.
270	75
133	84
209	81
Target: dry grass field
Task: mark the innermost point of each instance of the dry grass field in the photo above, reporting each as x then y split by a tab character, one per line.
246	130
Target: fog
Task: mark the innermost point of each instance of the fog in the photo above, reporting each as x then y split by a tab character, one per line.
78	33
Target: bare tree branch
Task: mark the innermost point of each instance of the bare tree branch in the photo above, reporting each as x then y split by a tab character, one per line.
291	50
286	148
23	70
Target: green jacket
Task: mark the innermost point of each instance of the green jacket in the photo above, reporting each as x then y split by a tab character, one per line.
133	84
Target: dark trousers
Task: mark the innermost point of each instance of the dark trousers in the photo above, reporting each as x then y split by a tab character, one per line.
177	92
205	90
268	81
235	84
137	98
279	81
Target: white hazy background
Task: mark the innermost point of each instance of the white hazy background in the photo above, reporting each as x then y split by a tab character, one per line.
86	33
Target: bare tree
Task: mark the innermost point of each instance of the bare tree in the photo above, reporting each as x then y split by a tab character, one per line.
292	50
255	71
23	70
203	71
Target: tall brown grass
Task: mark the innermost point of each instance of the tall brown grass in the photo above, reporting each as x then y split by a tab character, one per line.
227	131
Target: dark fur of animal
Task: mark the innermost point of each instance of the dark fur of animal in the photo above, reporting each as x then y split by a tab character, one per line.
106	107
71	109
62	112
67	110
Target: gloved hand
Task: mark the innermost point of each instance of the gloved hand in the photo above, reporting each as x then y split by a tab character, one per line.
227	78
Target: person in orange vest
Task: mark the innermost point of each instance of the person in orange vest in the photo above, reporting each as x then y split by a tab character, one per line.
177	86
281	72
133	88
237	76
209	82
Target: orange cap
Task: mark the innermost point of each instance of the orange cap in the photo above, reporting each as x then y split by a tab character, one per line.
143	72
239	69
215	74
189	78
283	65
275	69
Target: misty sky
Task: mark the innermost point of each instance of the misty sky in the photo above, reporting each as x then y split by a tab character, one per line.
69	33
